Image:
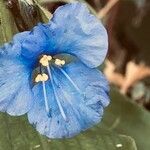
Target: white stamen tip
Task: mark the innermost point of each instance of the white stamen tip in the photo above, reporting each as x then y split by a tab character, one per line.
59	62
45	60
41	77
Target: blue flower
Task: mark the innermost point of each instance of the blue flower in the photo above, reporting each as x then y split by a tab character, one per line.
61	99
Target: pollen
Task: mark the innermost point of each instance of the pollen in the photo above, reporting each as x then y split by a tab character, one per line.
41	77
45	77
45	60
59	62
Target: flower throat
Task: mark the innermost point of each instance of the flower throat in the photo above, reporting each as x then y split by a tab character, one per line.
47	62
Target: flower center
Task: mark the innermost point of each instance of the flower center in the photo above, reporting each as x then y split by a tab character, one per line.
45	62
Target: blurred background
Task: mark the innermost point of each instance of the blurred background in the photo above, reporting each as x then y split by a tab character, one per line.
126	123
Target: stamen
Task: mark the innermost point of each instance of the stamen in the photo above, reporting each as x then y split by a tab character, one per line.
38	78
69	100
49	58
41	77
45	77
55	94
59	62
46	99
68	77
45	60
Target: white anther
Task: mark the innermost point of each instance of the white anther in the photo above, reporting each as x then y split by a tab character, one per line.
59	62
38	78
45	60
44	77
49	58
41	77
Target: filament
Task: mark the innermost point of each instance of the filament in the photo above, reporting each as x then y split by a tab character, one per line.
55	94
45	98
72	82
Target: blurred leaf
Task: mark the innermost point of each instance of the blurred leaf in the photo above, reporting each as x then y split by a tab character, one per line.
125	117
29	13
45	1
139	3
17	134
7	24
70	1
45	14
138	91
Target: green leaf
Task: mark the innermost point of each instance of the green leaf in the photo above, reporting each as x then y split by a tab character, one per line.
7	23
125	117
16	134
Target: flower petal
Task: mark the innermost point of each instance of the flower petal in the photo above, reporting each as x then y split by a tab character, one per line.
16	95
34	43
82	93
13	48
29	44
75	31
72	30
10	49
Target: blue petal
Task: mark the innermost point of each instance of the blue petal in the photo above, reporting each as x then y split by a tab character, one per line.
75	31
10	49
82	92
20	37
13	48
34	43
28	45
72	30
15	91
